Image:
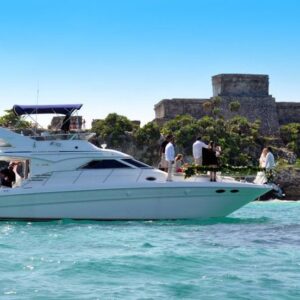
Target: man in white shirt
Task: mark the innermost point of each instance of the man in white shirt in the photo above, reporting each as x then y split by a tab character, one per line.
170	157
163	165
197	151
270	161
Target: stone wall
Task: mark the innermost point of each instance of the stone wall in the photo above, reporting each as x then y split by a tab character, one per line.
253	108
252	91
244	85
168	109
76	122
288	112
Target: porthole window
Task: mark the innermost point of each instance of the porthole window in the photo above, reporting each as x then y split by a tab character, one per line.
150	178
220	191
234	191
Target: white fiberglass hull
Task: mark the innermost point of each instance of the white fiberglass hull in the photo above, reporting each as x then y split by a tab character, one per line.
124	203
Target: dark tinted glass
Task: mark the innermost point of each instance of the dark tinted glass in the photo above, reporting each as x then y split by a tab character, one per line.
105	164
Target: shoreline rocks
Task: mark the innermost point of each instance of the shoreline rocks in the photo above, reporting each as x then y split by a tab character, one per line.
289	180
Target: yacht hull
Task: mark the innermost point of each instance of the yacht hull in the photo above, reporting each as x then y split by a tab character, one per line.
125	203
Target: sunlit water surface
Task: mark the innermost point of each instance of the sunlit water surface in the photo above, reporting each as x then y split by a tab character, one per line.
252	254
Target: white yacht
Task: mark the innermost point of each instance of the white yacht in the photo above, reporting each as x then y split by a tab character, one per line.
69	177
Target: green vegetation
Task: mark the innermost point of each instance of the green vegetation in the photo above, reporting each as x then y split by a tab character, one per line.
290	135
112	129
120	133
213	107
13	121
148	134
282	164
116	129
234	106
184	128
237	137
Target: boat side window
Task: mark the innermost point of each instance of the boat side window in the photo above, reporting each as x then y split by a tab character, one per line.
136	163
105	164
4	143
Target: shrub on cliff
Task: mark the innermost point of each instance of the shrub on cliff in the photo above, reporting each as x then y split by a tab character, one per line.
237	137
234	106
112	129
290	135
11	120
147	135
184	128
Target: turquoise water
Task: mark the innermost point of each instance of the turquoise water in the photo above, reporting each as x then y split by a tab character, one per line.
253	254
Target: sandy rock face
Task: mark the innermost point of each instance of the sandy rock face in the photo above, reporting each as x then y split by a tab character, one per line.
289	180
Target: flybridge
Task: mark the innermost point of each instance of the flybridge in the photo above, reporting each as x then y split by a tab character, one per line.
63	130
64	109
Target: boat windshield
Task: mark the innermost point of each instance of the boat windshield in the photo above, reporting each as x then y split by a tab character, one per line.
136	163
49	136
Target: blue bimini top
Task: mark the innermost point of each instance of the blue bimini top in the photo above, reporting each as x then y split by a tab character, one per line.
64	109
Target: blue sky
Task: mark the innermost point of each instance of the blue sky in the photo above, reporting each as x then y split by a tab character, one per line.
124	56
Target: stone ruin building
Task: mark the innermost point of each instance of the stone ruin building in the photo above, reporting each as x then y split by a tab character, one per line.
76	123
250	90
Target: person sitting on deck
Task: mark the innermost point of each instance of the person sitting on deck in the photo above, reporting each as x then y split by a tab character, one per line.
178	163
7	177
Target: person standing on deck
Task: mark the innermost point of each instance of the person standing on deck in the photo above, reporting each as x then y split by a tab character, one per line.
270	160
197	151
163	165
170	157
261	175
210	159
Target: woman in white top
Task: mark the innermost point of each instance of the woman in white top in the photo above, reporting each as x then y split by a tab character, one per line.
262	159
261	176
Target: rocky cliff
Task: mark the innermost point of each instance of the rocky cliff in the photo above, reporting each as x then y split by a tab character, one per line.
289	180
